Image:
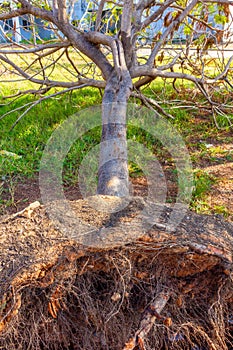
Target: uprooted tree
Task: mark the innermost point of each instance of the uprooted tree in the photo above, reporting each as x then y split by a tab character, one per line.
58	293
110	57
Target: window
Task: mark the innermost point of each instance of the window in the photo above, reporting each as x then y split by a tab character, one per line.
25	24
83	5
8	24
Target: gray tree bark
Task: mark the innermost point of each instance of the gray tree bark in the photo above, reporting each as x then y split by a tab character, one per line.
113	176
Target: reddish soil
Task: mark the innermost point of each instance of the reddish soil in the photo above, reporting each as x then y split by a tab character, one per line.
27	191
220	197
221	194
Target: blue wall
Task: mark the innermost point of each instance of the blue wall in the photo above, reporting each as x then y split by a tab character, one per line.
42	31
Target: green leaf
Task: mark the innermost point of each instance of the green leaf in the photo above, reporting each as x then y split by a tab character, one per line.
220	19
187	30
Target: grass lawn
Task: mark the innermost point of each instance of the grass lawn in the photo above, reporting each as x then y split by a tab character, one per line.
211	149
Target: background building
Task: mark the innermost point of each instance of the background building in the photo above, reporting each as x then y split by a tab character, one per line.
82	13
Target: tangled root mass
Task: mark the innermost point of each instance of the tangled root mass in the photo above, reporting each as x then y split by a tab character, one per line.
159	291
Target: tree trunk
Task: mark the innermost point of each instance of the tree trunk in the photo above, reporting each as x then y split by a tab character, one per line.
113	164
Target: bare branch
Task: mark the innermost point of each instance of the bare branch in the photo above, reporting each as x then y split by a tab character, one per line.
55	8
170	64
37	48
199	20
15	110
141	71
151	102
99	38
27	92
62	14
126	21
156	14
169	30
38	12
115	54
87	47
51	83
99	14
77	39
143	81
119	58
225	71
13	13
227	2
143	4
153	72
72	63
43	99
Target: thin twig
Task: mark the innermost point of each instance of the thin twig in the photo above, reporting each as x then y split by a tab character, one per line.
149	101
43	99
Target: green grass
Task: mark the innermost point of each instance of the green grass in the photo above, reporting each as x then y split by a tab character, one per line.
30	136
203	182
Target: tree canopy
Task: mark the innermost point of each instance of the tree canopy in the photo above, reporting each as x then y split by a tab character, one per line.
109	37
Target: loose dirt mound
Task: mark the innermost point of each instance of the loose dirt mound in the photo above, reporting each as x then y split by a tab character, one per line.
135	290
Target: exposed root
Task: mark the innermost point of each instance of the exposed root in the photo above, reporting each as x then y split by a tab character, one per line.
162	291
149	317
